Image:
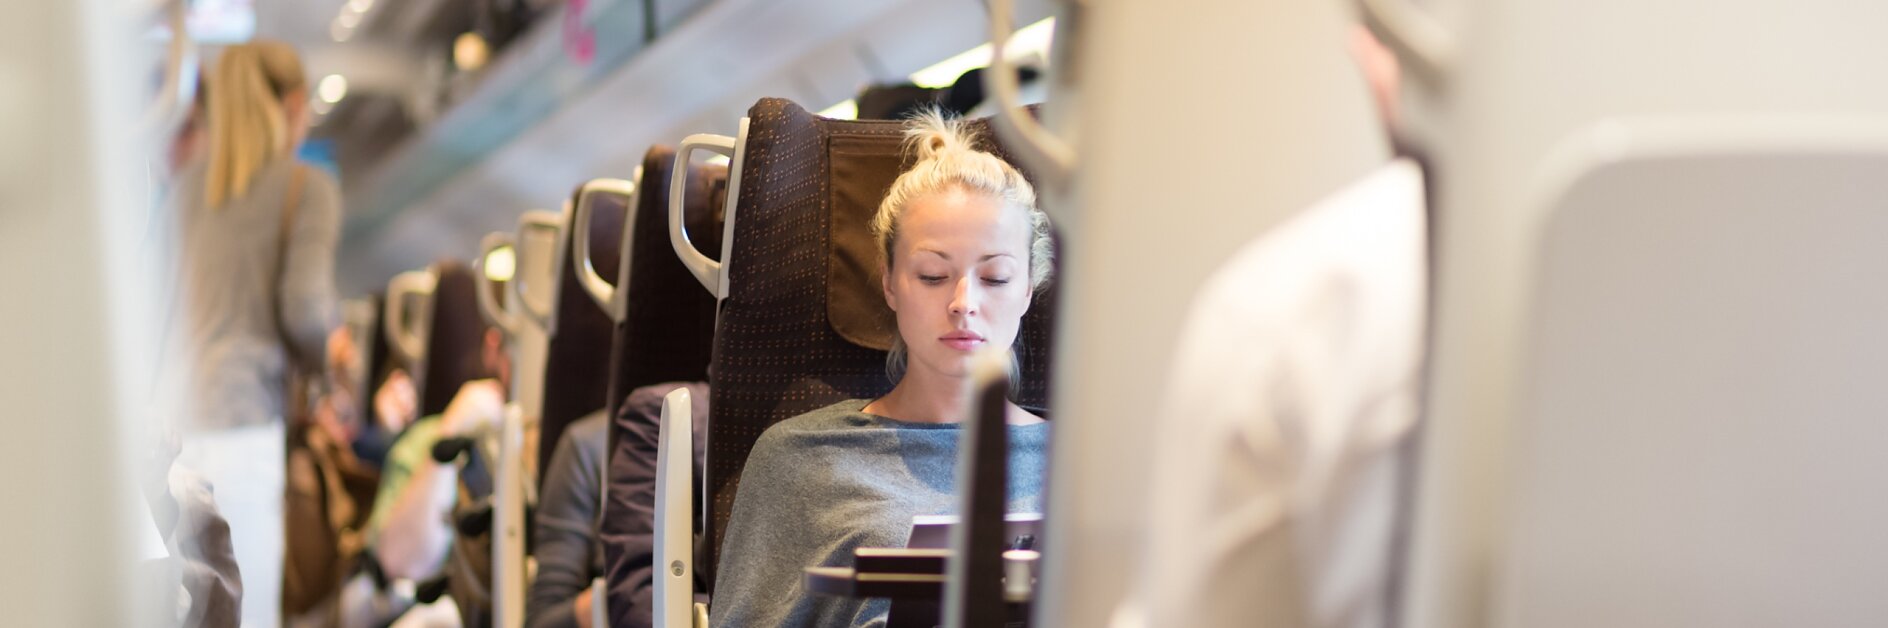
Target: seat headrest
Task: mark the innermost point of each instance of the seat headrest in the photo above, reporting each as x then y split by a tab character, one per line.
576	366
667	333
453	337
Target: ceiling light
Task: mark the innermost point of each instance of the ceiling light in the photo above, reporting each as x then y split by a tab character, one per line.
501	264
470	52
332	89
339	33
360	6
1032	39
348	19
847	109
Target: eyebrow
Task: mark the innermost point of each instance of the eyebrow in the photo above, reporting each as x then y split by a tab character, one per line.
947	256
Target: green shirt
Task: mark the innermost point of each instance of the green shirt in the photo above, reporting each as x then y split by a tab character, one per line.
413	448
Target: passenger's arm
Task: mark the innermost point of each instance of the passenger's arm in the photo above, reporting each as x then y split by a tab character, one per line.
565	528
415	534
307	295
629	523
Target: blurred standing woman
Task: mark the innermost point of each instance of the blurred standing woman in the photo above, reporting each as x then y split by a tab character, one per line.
257	232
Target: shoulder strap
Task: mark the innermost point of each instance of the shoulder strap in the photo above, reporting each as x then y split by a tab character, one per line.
291	205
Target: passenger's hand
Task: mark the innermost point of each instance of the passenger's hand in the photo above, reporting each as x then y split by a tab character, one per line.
341	354
397	403
582	604
479	405
331	418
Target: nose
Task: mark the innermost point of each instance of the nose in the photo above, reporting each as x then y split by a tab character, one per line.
967	300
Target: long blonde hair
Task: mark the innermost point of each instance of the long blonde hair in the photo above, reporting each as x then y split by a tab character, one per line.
248	125
948	159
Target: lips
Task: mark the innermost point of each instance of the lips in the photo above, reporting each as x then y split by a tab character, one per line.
962	340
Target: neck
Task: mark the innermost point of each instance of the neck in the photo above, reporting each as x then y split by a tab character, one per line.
923	398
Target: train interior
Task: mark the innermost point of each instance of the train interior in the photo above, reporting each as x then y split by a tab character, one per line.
916	313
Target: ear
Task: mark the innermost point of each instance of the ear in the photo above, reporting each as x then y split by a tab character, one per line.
885	283
493	343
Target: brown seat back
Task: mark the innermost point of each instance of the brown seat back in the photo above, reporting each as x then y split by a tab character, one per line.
667	331
577	362
453	338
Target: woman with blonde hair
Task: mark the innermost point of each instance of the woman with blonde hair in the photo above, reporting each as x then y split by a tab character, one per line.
256	231
963	249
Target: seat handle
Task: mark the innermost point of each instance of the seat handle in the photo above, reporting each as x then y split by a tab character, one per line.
674	593
403	337
711	273
511	501
600	289
1035	145
539	221
494	313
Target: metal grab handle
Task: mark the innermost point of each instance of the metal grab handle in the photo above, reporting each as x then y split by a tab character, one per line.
401	337
509	506
537	220
1034	145
674	593
488	299
707	271
1414	34
600	289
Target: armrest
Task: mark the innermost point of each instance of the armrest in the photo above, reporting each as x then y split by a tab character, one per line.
600	602
509	521
674	586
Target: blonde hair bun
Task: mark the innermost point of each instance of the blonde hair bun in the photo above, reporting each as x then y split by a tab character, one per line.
932	134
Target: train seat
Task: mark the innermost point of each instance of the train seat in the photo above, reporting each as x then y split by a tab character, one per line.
1698	413
433	327
803	323
663	337
576	368
664	326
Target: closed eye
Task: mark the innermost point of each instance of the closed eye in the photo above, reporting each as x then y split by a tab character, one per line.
996	281
931	280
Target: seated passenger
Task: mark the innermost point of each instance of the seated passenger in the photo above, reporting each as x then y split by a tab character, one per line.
963	250
396	404
410	531
568	537
567	551
629	530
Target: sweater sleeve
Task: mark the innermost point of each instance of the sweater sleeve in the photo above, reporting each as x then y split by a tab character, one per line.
566	515
629	521
307	294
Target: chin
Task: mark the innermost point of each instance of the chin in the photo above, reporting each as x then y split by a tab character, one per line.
949	366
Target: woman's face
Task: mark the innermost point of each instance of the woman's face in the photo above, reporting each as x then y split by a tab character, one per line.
959	278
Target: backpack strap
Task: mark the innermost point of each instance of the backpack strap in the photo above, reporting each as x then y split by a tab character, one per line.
291	207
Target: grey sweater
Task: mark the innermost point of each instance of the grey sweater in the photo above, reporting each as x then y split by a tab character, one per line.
569	552
819	485
222	318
